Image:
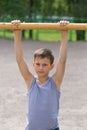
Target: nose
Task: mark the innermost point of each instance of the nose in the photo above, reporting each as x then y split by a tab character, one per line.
41	66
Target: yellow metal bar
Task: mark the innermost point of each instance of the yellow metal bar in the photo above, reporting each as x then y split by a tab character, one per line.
45	26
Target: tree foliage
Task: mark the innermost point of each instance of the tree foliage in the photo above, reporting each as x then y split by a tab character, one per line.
60	7
47	7
21	8
77	8
13	7
32	7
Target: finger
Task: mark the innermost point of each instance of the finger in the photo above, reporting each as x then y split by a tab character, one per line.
64	22
16	22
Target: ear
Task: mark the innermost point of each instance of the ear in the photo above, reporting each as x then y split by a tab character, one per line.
51	66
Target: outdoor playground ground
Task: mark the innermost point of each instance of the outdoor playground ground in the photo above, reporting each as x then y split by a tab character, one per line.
13	99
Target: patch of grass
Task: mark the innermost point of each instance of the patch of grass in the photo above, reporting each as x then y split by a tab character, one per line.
6	34
42	35
53	35
48	35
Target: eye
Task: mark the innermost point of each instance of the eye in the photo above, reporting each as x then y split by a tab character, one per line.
37	64
45	65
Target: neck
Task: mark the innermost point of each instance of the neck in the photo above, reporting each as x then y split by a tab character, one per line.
42	80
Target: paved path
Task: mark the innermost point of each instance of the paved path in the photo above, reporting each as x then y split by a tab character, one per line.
73	102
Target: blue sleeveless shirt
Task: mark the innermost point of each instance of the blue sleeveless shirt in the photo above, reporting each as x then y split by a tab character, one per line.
43	106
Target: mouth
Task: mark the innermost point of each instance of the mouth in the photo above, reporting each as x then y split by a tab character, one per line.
40	72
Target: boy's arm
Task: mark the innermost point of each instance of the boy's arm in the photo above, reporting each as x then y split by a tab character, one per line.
28	77
59	74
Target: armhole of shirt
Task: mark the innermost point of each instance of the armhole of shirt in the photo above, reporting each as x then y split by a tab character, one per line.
58	90
32	84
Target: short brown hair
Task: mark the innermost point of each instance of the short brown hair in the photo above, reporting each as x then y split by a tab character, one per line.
44	53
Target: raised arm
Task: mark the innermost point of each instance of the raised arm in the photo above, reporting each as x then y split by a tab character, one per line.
59	74
28	77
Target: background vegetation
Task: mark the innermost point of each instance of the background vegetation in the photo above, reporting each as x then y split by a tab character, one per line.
44	11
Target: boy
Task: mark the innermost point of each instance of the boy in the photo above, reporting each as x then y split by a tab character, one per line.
43	91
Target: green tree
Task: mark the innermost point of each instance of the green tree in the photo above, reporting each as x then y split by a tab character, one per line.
30	9
60	8
13	8
47	8
77	9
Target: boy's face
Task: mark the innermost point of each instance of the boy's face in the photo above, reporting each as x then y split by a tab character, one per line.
42	66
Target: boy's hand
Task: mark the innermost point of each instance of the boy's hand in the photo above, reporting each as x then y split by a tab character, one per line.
17	32
16	22
63	22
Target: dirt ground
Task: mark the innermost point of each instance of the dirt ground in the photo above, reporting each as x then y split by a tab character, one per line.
13	99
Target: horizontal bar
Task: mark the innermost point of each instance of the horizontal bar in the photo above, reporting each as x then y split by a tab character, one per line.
44	26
